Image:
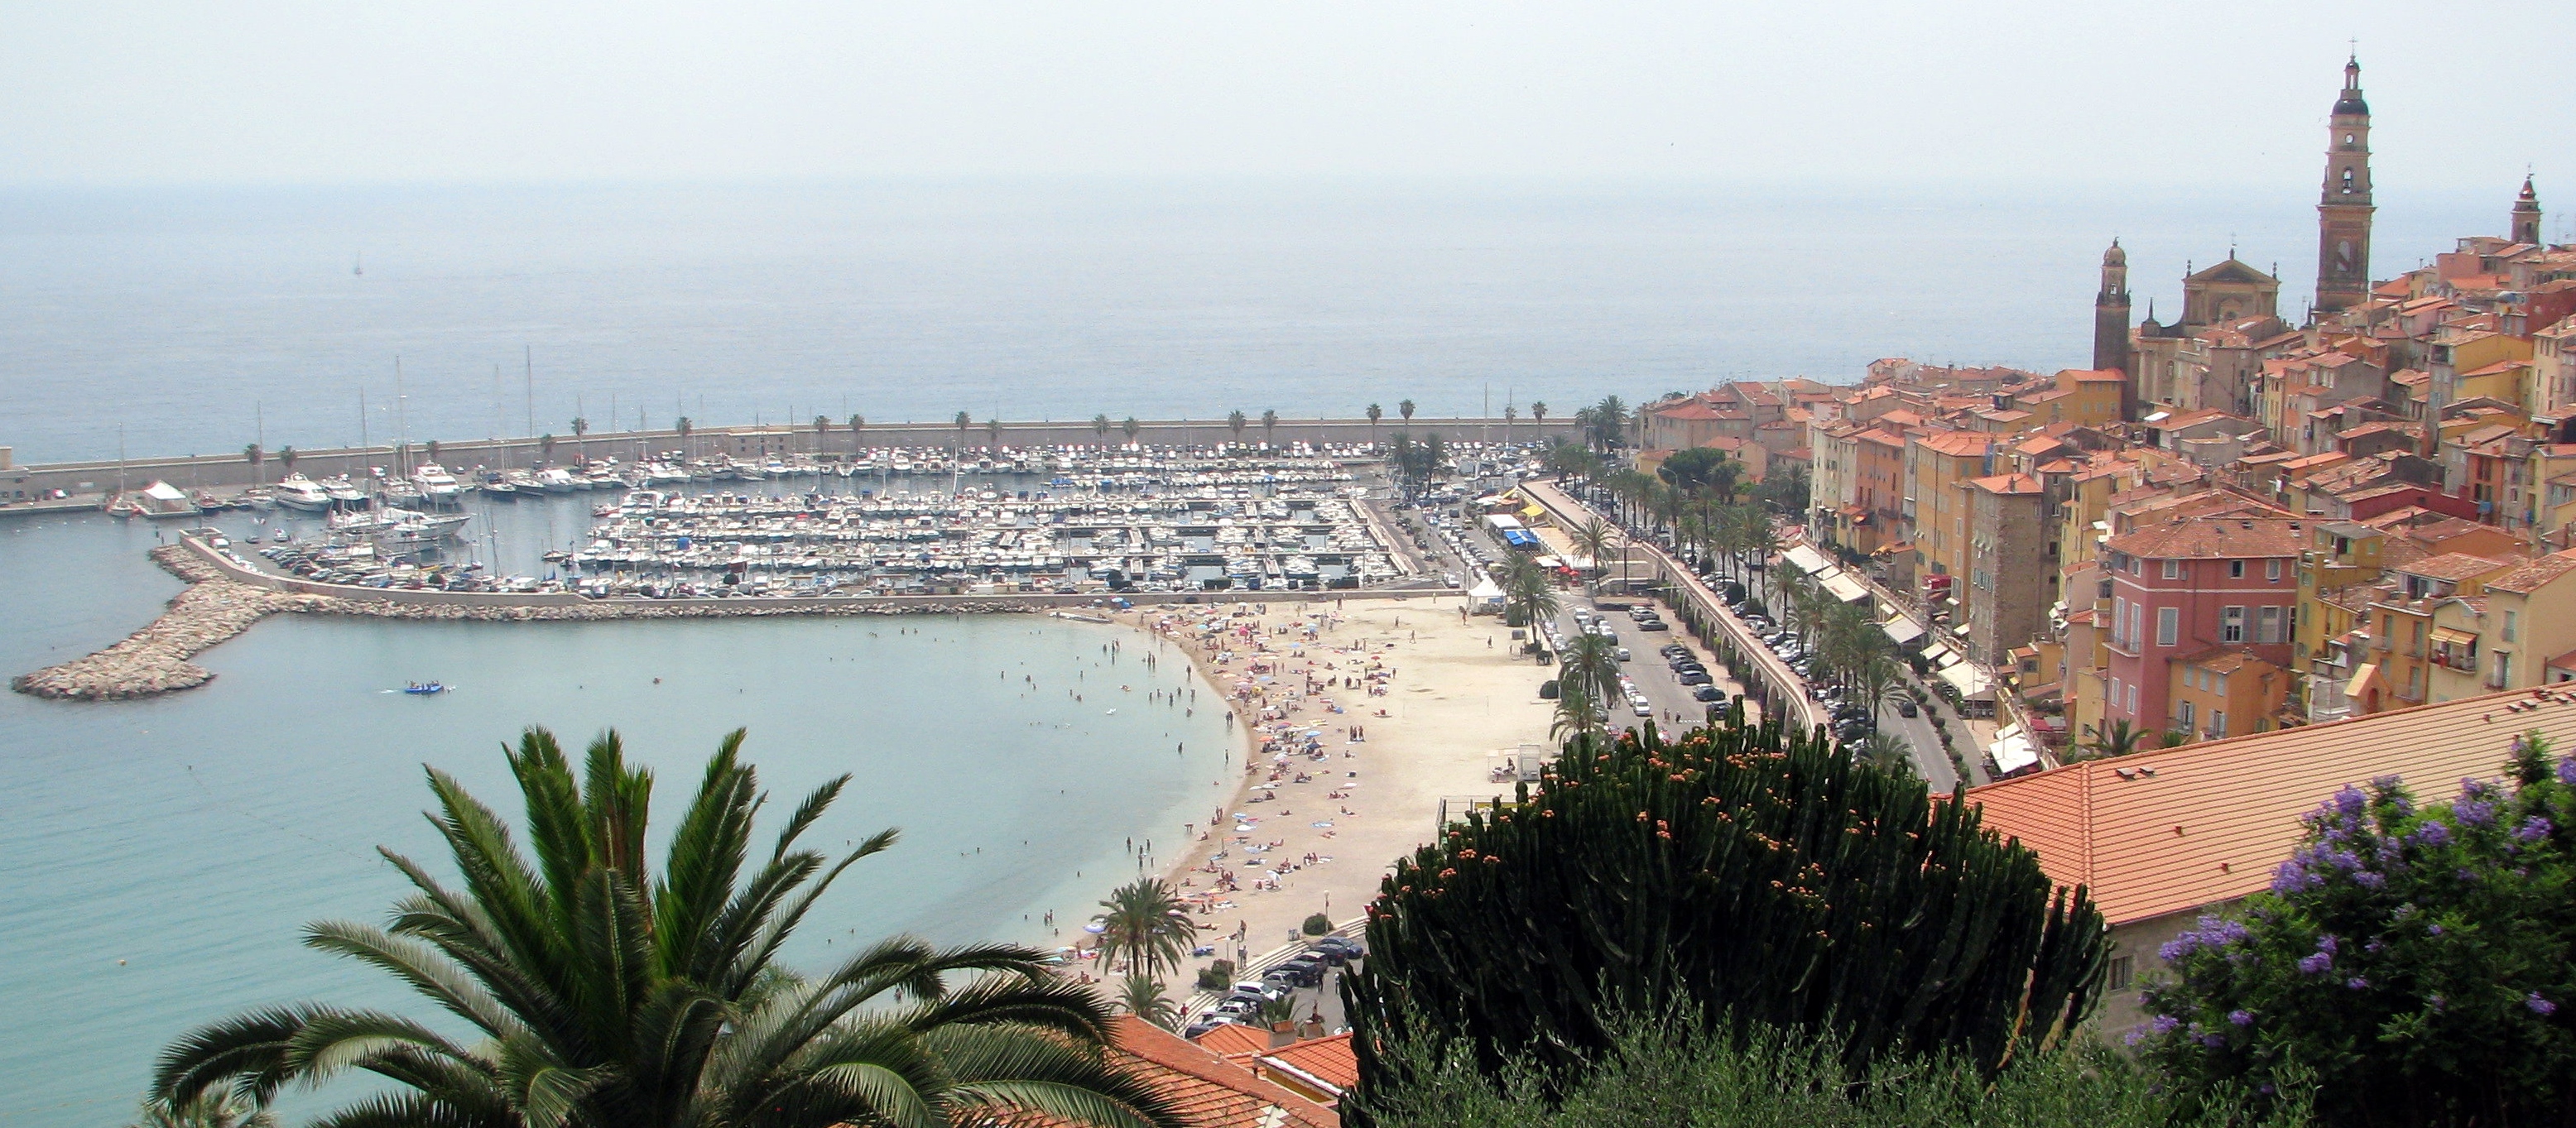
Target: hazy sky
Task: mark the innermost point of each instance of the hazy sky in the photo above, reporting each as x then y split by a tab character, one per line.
137	91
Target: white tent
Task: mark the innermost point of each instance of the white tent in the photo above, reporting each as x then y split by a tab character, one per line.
2012	751
1806	559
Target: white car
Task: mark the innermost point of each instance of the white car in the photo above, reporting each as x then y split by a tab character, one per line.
1641	708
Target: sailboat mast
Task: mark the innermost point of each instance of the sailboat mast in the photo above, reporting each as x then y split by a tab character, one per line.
529	358
402	425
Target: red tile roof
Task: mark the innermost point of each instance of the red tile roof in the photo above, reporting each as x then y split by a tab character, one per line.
2171	830
2212	538
1207	1090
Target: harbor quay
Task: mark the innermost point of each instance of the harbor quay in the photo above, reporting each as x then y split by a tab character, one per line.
34	487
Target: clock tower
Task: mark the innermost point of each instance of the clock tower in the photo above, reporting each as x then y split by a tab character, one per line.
2343	211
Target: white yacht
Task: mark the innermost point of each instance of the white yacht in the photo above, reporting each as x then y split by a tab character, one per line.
555	479
437	486
298	492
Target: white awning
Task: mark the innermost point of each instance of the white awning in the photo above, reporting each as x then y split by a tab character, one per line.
1806	559
164	491
1940	655
1843	586
1902	631
1485	591
1970	683
2012	751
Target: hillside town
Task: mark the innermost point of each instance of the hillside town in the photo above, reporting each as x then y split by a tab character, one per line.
2235	520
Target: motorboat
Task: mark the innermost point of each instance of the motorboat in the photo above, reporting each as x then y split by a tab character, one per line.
437	486
344	493
303	494
556	479
424	689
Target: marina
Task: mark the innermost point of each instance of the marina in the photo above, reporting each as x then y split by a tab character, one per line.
889	522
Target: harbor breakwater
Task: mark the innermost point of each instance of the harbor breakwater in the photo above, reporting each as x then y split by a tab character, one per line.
225	598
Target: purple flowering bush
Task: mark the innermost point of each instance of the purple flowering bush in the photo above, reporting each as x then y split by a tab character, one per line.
2410	963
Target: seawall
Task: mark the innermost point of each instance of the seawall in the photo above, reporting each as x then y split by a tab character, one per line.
225	598
18	483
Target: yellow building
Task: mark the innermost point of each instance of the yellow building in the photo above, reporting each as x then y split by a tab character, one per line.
1939	467
2222	692
2404	646
2507	636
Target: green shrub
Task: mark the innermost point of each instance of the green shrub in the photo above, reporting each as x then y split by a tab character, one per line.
1671	1074
1216	976
1318	924
1750	871
2421	962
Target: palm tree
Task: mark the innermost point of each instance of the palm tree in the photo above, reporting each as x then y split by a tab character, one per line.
1880	684
1142	996
1528	594
1509	413
1100	428
1269	425
255	455
2119	738
600	992
546	447
1234	421
1592	662
432	447
858	423
1887	750
1130	427
683	428
1405	409
215	1108
993	432
1375	413
822	427
581	427
963	421
1538	417
1593	537
286	460
1147	926
1574	713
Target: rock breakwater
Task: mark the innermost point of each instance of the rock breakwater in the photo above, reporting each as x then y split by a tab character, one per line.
214	608
154	660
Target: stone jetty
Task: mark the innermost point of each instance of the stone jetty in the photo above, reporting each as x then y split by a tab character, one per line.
154	660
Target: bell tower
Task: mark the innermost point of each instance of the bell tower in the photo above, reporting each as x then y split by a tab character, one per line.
2344	208
2526	215
2111	312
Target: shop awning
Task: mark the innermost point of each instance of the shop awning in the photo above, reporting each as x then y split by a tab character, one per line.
1843	586
1967	680
1806	559
2454	636
2012	751
1940	655
1902	631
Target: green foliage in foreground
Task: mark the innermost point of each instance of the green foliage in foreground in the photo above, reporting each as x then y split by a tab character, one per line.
1737	870
2420	963
602	993
1671	1075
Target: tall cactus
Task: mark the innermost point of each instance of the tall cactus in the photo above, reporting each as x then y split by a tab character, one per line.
1746	872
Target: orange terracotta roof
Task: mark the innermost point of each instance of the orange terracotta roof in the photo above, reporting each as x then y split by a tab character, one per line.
1325	1061
2176	829
2213	538
2535	575
1958	443
1234	1038
2095	375
1207	1090
2007	484
2455	566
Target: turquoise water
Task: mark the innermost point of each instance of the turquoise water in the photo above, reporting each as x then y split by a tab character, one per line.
191	836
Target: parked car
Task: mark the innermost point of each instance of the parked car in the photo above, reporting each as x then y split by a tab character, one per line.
1694	677
1907	709
1654	625
1349	948
1705	692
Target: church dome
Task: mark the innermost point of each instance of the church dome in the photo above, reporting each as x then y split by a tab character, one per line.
2350	103
2115	256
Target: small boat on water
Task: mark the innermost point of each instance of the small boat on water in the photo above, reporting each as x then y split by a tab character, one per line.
424	689
437	486
304	494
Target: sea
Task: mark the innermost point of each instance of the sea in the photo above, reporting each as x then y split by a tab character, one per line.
158	858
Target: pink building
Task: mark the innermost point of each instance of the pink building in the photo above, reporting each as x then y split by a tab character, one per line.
2188	584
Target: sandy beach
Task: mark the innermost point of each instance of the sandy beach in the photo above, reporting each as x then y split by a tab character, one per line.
1353	723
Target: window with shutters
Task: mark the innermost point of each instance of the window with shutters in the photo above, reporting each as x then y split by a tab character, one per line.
2269	630
2231	625
2168	625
